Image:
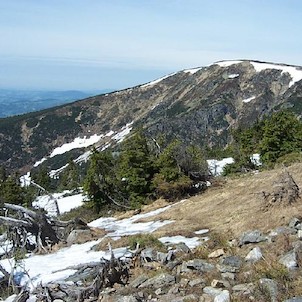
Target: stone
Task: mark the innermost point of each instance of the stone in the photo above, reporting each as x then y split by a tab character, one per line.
172	264
271	287
251	237
149	255
243	288
289	260
295	223
294	299
224	296
197	281
213	292
216	254
199	265
206	298
283	230
182	247
228	276
299	234
158	291
254	255
220	284
78	236
165	257
159	281
230	264
138	281
126	299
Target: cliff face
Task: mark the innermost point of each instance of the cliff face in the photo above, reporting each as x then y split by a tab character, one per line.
199	105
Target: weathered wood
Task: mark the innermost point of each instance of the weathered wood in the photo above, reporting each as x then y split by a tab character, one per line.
21	209
22	296
14	222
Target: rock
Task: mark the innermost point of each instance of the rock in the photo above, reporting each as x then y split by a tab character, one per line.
206	298
197	281
159	281
254	255
299	234
295	223
149	255
224	296
182	247
138	281
294	299
125	299
289	260
271	287
216	254
213	292
172	264
158	291
199	265
251	237
165	257
220	283
78	236
283	230
230	264
228	276
244	288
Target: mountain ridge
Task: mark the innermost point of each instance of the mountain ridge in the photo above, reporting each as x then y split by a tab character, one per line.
200	105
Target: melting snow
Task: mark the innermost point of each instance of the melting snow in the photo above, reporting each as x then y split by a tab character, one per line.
39	162
227	63
296	74
57	266
201	232
233	76
255	159
120	136
190	242
65	203
216	166
193	70
25	180
77	143
249	99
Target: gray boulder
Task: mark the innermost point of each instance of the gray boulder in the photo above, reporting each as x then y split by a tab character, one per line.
159	281
224	296
294	299
271	287
289	260
199	265
251	237
254	255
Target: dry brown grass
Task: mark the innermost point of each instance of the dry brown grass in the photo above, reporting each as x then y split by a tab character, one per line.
236	206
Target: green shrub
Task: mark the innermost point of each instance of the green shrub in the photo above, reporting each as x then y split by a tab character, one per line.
145	240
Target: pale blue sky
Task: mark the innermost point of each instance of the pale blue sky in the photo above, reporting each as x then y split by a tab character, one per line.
98	44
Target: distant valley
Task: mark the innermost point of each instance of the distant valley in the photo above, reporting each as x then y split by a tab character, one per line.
15	102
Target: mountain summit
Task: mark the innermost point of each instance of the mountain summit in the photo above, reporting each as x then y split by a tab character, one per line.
199	105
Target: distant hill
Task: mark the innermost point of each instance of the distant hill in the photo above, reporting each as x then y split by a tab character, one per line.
200	105
13	102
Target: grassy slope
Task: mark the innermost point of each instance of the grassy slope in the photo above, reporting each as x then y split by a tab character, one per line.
235	206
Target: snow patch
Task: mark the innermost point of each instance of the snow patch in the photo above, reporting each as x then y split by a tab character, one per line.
193	70
110	133
255	159
120	136
201	232
296	74
227	63
233	76
190	242
77	143
65	203
249	99
39	162
25	180
216	166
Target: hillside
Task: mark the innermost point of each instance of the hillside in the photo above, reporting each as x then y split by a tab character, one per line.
200	105
220	266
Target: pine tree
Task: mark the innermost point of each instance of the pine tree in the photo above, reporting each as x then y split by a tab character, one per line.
282	134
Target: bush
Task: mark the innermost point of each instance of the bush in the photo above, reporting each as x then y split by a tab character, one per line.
145	240
288	159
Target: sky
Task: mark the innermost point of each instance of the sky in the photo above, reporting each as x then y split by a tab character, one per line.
113	44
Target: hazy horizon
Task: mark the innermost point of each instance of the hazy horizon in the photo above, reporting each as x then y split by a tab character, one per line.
95	45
